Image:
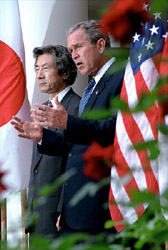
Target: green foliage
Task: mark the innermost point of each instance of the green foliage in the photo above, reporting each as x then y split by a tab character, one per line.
159	6
89	189
96	114
151	146
121	55
38	242
163	129
48	189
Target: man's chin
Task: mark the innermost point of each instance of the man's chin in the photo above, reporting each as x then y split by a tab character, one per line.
83	72
45	91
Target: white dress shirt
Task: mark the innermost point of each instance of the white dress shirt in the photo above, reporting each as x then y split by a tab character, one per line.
60	96
103	70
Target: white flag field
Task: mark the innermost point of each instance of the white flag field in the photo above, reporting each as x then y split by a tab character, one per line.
15	152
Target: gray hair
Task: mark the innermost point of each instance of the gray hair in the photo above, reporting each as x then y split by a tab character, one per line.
92	31
62	58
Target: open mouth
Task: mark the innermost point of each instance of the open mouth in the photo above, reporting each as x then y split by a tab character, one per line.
78	64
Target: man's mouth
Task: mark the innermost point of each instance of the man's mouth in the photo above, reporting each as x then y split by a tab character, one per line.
78	64
42	83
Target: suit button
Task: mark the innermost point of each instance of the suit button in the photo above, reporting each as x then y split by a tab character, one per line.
70	155
35	171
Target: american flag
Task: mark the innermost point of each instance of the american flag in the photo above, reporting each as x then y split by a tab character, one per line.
133	170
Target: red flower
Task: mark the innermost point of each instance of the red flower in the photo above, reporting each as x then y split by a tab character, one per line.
123	19
98	161
2	186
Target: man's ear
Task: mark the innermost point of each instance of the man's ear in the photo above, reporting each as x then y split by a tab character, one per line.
101	44
65	76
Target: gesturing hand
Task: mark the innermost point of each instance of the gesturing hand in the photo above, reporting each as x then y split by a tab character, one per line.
28	130
49	117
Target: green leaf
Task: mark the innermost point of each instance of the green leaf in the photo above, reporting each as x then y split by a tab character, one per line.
158	6
120	53
152	146
68	242
96	114
163	129
121	105
109	224
89	189
40	243
145	102
144	196
48	189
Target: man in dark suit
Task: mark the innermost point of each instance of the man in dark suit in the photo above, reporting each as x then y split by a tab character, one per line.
87	45
55	72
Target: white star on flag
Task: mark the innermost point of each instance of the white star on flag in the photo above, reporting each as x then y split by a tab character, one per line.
136	37
165	36
139	57
145	7
143	41
154	30
149	45
157	15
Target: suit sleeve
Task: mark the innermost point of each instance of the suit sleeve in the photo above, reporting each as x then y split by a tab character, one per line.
80	131
53	143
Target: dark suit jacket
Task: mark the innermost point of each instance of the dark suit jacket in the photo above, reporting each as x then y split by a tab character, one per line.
89	212
44	171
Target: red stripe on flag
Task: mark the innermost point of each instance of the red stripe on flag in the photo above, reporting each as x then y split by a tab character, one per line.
123	170
152	112
135	136
116	215
12	87
164	72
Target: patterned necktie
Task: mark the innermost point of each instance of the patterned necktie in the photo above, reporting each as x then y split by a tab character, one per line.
86	95
50	104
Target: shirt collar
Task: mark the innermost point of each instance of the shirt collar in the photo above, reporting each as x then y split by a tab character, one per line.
103	70
60	96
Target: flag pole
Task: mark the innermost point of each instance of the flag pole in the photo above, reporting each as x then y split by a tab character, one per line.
3	221
23	213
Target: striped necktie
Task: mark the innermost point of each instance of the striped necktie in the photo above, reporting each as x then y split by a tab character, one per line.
86	95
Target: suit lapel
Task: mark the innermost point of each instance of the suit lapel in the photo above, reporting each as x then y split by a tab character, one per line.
98	89
37	155
66	99
64	102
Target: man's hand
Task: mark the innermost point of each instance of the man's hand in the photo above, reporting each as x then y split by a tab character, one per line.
28	130
58	223
49	117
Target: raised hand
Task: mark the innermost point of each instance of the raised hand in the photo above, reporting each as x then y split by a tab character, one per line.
49	117
28	130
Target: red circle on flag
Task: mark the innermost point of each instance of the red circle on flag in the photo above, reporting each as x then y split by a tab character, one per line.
12	83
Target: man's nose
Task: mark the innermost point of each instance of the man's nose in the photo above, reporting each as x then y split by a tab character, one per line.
40	74
74	55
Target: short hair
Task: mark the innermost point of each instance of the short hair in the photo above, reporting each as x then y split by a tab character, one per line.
62	58
92	31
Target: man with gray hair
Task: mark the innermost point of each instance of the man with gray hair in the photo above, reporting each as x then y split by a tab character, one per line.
87	45
55	73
